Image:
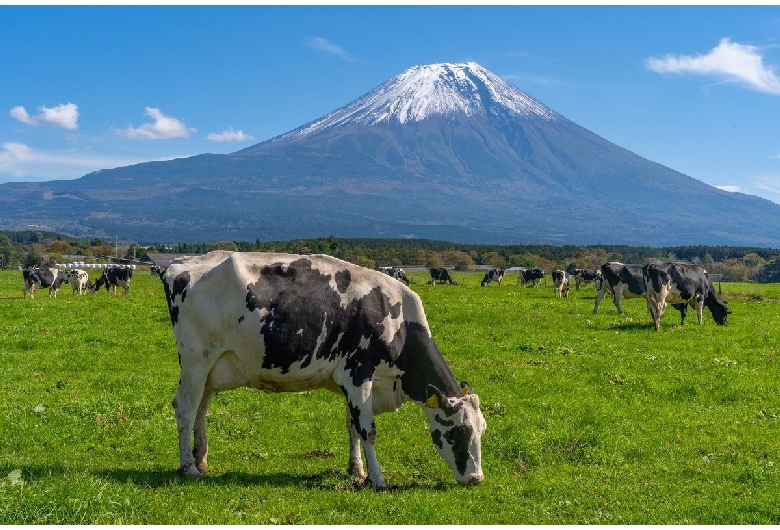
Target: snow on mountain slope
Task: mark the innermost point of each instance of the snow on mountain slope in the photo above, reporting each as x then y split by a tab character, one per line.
427	90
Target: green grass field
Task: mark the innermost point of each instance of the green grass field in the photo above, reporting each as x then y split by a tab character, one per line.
591	418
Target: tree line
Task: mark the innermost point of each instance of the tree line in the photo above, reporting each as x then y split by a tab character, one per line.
758	264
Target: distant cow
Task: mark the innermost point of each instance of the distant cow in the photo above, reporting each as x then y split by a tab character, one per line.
396	272
50	278
493	275
115	276
289	323
533	276
682	284
561	283
441	275
79	281
586	276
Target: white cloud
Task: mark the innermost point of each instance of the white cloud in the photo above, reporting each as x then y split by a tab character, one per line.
65	116
768	185
323	45
730	61
163	128
230	135
22	162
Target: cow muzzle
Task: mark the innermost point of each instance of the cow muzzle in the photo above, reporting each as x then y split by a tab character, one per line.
472	480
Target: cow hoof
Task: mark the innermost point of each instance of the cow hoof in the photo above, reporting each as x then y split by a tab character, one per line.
190	471
381	486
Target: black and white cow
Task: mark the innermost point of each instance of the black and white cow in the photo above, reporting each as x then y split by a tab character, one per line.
79	281
50	278
289	323
396	272
561	283
682	284
493	275
115	276
532	276
441	275
586	276
622	280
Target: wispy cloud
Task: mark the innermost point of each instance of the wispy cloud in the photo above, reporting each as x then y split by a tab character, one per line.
230	135
766	185
729	61
323	45
66	116
162	128
21	162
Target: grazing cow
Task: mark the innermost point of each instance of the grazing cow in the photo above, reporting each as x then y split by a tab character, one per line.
79	281
682	284
623	281
50	278
493	275
441	275
586	276
532	275
396	272
561	283
115	276
289	323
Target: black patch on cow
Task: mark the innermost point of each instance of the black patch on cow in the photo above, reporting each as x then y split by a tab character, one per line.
437	438
422	364
459	438
179	287
630	275
442	421
343	279
304	319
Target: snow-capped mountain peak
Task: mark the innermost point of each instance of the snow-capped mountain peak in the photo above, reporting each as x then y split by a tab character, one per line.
427	90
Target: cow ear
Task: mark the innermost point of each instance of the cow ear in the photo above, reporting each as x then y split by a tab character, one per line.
466	388
433	401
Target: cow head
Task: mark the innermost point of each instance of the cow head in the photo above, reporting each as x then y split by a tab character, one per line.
457	426
719	309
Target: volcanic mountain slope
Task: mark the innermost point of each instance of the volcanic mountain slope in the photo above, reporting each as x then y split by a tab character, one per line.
441	151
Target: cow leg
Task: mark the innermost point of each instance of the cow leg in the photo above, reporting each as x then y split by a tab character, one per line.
201	449
361	411
656	310
618	300
683	309
700	309
188	398
599	298
355	459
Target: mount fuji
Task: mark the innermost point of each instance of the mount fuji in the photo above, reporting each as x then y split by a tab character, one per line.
441	151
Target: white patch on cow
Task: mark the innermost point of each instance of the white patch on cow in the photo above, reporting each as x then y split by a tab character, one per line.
365	342
300	332
388	395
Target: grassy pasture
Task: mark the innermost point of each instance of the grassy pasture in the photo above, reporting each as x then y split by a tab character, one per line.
591	418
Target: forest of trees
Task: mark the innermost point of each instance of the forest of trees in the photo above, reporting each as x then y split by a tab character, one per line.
756	264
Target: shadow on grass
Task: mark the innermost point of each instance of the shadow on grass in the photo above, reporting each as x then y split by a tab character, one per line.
329	479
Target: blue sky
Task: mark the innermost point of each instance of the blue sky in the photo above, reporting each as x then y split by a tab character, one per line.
694	88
